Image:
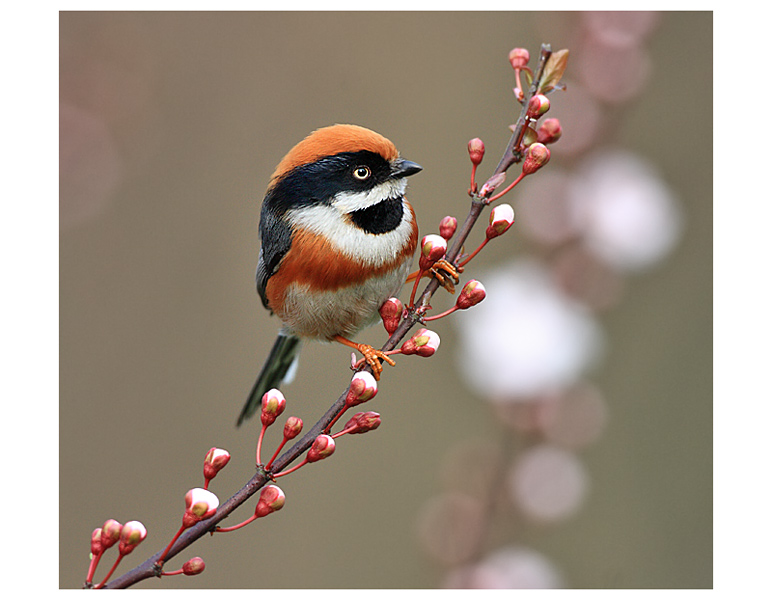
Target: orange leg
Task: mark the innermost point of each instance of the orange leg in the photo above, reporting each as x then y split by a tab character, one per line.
440	265
371	355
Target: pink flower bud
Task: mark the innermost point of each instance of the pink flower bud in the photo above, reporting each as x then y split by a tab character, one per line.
200	504
271	499
501	219
194	566
363	388
363	422
424	343
96	541
476	149
549	132
519	57
448	227
293	427
492	183
273	405
536	156
132	535
538	105
111	533
472	293
433	248
214	461
322	447
391	314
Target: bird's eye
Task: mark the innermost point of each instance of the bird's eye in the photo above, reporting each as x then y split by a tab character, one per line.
362	173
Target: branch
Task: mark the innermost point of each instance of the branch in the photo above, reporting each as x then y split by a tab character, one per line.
512	155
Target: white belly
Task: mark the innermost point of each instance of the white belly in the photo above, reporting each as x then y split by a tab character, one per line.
322	314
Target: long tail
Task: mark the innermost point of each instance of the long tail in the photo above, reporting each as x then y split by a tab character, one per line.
283	354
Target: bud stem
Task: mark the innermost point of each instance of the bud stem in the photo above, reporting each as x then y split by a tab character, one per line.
92	567
260	445
167	573
110	574
452	309
275	454
290	470
473	254
415	287
235	527
160	560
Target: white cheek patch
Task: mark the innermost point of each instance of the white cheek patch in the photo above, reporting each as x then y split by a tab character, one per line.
347	202
369	248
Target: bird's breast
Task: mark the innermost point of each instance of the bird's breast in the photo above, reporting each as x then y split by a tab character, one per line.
335	276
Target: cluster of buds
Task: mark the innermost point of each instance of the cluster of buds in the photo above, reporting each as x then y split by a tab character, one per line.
127	536
532	142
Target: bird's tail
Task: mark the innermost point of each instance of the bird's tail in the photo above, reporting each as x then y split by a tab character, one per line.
283	355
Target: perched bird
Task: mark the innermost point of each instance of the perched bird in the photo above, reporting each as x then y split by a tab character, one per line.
337	240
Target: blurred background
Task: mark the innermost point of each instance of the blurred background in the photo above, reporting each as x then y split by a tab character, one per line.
562	434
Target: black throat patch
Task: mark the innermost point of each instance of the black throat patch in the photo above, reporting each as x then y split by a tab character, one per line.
379	218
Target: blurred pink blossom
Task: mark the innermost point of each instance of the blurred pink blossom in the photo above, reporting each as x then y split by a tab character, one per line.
511	567
627	214
528	338
548	483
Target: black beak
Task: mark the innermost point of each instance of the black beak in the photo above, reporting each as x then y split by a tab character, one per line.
404	168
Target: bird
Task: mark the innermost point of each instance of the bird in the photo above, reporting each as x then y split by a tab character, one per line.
337	239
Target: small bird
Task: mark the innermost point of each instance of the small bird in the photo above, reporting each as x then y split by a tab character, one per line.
337	241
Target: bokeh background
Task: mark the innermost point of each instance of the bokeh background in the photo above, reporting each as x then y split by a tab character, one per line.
585	463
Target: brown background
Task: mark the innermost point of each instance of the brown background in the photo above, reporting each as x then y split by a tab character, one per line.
162	331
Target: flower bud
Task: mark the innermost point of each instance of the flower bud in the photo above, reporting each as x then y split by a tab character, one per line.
549	132
391	314
194	566
271	499
424	343
273	404
111	533
363	388
200	504
476	149
132	535
536	156
293	427
322	447
472	293
433	248
96	541
519	57
538	105
501	219
363	422
214	461
448	227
